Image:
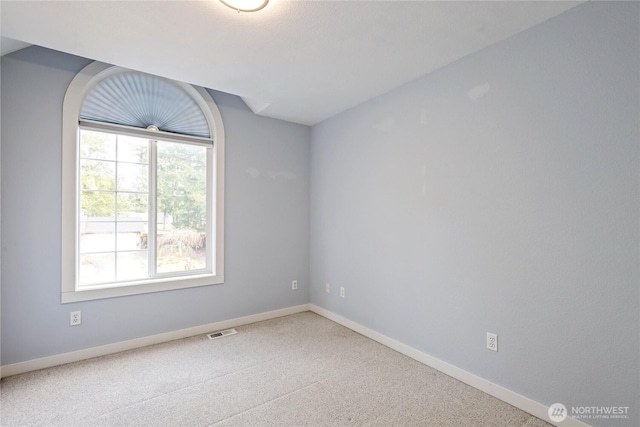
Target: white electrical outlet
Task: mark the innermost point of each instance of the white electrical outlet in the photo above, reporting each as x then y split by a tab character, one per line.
294	285
492	341
341	292
327	288
75	318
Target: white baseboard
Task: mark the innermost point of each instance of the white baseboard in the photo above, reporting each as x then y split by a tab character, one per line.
524	403
521	402
75	356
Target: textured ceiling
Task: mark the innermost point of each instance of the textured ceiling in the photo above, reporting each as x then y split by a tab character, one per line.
301	61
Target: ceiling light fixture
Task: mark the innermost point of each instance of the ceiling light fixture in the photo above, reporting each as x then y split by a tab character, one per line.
245	5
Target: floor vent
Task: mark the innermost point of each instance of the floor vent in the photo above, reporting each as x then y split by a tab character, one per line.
220	334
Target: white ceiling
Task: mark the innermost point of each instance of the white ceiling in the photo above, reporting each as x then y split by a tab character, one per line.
301	61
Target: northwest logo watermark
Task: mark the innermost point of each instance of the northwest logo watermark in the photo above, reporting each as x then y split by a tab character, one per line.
558	412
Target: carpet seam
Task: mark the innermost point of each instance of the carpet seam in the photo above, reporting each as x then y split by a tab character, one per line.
268	402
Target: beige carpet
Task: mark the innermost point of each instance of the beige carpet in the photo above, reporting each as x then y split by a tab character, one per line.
299	370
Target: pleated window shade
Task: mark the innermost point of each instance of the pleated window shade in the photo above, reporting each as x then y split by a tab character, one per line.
141	100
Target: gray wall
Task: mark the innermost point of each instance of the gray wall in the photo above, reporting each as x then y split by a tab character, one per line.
266	213
498	194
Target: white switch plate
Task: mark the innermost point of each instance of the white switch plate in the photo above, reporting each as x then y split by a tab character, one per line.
327	288
492	341
294	285
341	292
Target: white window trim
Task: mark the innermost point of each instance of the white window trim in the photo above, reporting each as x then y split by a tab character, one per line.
80	86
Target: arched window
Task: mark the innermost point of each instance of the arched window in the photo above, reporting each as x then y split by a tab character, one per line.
142	202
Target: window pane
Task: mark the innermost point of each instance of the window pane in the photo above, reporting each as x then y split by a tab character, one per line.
180	250
97	145
133	150
133	207
182	207
97	175
132	265
97	268
132	177
97	206
131	236
97	237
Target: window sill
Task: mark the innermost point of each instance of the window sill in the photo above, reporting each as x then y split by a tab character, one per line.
137	288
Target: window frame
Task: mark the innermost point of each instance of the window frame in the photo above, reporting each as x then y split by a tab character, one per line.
78	89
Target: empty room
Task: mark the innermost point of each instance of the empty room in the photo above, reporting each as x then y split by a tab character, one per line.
320	213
